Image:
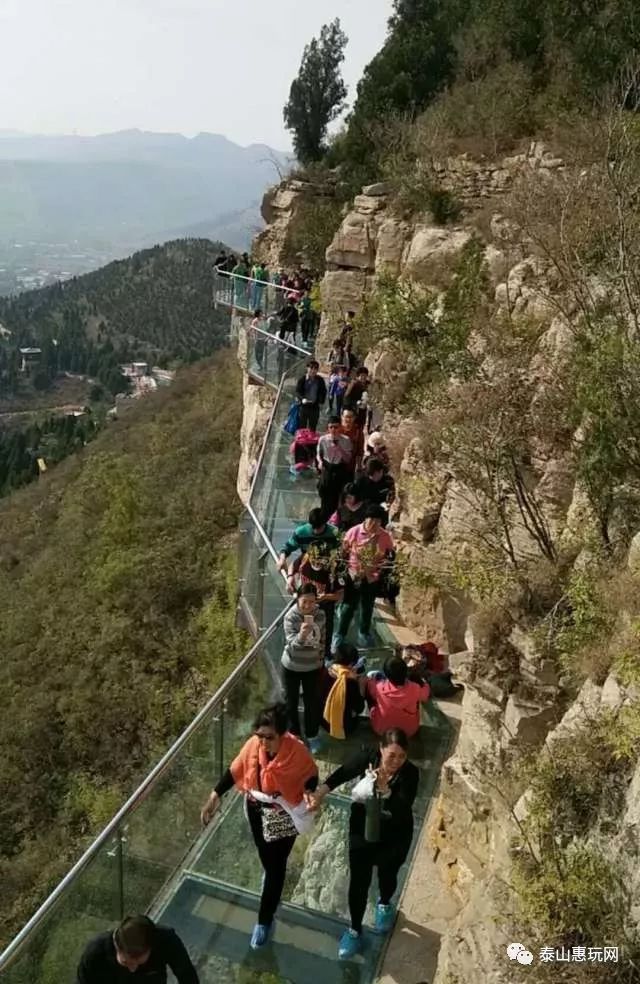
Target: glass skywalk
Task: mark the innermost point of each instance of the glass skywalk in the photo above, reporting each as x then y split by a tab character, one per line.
155	857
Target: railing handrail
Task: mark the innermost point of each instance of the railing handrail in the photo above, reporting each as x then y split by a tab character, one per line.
252	280
307	353
18	943
254	480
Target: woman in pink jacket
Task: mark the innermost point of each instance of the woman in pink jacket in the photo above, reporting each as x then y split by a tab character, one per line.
395	699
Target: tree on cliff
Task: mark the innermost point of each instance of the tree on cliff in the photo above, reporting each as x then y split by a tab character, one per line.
317	95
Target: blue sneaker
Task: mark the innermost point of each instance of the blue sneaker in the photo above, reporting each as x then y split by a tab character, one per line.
260	936
385	914
315	745
350	944
365	640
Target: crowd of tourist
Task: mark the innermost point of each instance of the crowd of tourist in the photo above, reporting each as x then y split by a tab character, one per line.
337	565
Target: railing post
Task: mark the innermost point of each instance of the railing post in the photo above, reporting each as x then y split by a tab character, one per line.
117	852
221	739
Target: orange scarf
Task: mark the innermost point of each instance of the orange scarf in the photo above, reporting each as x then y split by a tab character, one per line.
337	700
285	774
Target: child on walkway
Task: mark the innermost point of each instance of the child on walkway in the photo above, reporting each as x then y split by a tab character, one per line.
338	382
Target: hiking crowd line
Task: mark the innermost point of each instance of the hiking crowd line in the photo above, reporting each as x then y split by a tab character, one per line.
337	565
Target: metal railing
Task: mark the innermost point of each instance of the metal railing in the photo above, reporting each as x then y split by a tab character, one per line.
113	830
247	294
141	795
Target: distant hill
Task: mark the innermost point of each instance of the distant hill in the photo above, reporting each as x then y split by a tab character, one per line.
235	228
117	610
155	307
113	190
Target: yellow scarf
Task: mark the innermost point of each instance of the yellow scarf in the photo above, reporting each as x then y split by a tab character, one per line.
337	700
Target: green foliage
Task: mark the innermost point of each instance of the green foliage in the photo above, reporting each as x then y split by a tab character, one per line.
52	439
153	307
415	62
570	892
583	902
318	93
606	398
312	232
487	113
117	610
585	622
429	336
507	65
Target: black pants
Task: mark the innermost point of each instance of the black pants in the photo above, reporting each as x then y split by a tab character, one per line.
273	858
333	479
309	414
329	609
310	683
307	328
363	858
362	596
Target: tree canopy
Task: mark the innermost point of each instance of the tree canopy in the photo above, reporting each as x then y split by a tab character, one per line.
317	95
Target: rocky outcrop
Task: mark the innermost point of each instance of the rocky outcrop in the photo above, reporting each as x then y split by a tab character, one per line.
283	209
258	403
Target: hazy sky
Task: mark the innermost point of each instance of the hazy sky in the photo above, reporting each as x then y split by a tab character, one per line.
95	66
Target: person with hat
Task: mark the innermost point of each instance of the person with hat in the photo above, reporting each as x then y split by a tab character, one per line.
376	448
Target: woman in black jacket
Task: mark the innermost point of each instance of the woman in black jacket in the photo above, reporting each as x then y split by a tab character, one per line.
380	828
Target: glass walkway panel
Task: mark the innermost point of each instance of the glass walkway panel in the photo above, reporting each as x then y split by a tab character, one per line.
154	857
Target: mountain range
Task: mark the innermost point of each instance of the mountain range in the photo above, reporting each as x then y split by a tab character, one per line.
120	191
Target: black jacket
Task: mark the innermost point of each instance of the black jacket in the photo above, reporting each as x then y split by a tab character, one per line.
397	814
353	707
289	317
377	493
98	964
322	389
347	518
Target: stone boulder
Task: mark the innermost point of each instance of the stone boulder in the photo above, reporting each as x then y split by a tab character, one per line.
535	668
433	252
353	245
527	722
382	364
497	263
582	710
633	558
393	237
378	189
258	403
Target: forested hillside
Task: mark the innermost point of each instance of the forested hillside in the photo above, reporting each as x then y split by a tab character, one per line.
117	598
492	68
154	307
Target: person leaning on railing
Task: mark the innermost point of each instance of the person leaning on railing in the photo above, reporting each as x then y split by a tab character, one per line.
137	947
276	774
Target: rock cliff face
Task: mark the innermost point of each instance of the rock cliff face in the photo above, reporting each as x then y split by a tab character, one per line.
283	208
258	403
513	693
372	240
